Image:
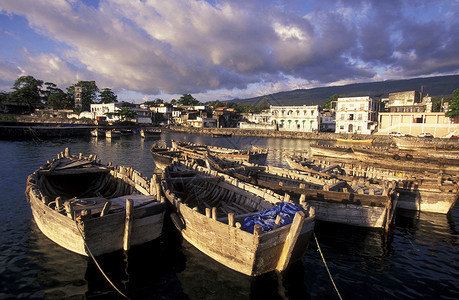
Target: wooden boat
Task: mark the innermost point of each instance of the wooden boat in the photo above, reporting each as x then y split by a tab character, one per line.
257	155
92	209
164	156
417	191
210	207
414	143
150	132
112	133
407	160
356	202
352	141
97	132
390	158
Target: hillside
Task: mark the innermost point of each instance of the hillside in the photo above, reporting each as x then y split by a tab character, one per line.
434	86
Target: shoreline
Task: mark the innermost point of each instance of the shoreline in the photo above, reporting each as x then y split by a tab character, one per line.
26	131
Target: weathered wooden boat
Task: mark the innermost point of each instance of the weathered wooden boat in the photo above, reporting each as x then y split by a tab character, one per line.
356	202
164	156
97	132
417	191
112	133
257	155
415	143
92	209
150	132
214	211
352	141
390	158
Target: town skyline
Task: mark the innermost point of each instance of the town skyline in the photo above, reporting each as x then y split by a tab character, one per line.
225	49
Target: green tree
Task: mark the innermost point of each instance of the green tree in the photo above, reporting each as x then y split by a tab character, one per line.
332	99
453	110
107	96
60	100
188	100
27	90
124	113
89	93
50	88
173	102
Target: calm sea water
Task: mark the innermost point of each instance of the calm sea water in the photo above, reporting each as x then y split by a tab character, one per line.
417	259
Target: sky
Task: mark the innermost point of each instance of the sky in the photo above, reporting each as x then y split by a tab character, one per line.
222	50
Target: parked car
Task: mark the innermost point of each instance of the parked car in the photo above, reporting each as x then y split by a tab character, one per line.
397	134
425	135
454	137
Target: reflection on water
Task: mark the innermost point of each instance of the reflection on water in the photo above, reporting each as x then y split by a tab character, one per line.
417	259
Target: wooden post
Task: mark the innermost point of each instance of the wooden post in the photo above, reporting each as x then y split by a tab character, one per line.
277	222
106	208
67	152
45	200
128	224
208	212
214	213
286	197
58	203
302	199
257	229
231	219
238	225
290	241
85	214
68	209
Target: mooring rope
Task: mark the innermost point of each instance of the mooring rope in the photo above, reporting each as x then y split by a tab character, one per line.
97	264
325	263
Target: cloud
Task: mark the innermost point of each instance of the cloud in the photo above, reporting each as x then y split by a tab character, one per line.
233	48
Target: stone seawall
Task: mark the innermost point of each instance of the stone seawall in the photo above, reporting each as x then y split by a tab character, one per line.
326	136
379	140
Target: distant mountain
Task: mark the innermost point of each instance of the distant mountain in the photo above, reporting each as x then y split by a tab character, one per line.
434	86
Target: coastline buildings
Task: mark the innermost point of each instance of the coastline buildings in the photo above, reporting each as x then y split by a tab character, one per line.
296	118
410	113
356	115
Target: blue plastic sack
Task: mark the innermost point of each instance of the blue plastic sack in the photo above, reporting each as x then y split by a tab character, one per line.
267	218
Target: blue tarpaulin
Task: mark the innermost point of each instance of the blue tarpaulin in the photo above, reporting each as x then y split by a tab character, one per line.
267	218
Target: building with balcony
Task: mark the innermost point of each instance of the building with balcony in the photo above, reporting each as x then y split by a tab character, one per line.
356	115
304	118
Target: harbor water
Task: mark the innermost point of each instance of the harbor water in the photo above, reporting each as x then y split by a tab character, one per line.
417	259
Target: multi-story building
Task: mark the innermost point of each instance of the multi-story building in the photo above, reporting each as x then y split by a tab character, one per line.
356	115
226	117
327	121
411	101
304	118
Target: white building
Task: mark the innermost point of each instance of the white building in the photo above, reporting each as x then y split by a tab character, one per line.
304	118
356	115
99	109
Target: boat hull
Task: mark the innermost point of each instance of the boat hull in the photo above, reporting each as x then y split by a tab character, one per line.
102	235
90	208
252	254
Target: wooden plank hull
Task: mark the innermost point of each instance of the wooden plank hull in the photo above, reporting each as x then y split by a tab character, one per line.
248	253
146	133
417	191
368	209
255	157
102	235
95	223
427	200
